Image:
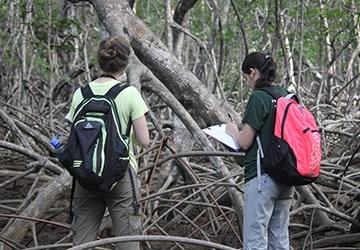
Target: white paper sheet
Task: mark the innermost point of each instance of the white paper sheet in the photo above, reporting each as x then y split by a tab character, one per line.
218	133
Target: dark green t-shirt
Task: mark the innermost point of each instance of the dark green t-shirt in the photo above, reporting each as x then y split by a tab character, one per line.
260	115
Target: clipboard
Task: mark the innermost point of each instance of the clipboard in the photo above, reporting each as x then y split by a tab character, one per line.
218	132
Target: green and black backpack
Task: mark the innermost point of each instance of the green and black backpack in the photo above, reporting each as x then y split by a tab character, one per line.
97	153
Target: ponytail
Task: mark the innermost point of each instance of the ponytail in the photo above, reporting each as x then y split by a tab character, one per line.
264	64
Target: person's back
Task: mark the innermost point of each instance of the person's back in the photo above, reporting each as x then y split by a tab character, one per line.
266	202
123	199
261	114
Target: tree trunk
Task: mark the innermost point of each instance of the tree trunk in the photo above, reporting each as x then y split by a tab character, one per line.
117	17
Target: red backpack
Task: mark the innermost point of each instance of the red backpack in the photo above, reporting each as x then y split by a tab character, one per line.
294	154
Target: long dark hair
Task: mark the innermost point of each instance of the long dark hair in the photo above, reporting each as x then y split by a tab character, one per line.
266	66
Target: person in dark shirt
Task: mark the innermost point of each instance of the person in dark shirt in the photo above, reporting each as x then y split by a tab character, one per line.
266	202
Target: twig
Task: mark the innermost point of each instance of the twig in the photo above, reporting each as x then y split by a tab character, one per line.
337	240
33	231
150	238
332	211
19	175
15	129
201	44
47	164
196	203
185	199
166	234
35	219
194	153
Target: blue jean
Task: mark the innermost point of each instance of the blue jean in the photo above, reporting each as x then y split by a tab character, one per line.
266	215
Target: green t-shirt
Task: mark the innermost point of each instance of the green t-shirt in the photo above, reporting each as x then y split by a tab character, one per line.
129	103
260	115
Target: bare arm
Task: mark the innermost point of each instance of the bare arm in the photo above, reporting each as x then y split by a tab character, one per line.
141	131
245	137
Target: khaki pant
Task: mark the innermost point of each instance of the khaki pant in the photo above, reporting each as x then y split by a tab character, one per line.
89	207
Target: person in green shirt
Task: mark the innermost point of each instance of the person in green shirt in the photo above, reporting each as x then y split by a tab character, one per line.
90	205
266	202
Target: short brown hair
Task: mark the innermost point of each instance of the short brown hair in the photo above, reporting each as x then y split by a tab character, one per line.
113	54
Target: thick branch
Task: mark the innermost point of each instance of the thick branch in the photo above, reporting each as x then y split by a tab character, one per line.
17	229
195	97
179	15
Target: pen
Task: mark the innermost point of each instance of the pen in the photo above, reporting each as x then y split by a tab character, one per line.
230	117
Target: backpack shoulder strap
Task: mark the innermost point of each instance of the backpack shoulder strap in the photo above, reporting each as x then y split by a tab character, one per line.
275	95
115	90
270	91
86	91
113	93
